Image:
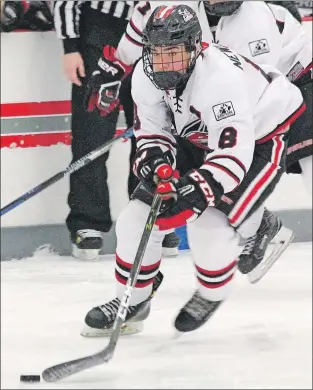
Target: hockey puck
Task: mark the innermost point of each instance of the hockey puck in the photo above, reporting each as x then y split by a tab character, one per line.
30	378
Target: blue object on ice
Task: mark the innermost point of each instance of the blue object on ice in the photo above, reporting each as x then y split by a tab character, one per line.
182	234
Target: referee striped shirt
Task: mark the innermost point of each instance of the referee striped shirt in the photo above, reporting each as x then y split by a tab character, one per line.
67	17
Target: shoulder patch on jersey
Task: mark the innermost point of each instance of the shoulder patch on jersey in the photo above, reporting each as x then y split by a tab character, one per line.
223	110
259	47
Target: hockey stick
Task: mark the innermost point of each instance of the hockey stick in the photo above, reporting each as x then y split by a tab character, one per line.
63	370
75	166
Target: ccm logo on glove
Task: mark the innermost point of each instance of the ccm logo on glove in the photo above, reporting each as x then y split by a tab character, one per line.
204	186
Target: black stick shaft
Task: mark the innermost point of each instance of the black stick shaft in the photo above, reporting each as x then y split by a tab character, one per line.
66	369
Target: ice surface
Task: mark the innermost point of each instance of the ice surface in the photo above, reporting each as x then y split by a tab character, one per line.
260	339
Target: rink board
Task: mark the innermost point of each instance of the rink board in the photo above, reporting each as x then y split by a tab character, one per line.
20	242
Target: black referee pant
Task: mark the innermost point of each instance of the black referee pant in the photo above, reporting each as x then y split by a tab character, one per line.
89	194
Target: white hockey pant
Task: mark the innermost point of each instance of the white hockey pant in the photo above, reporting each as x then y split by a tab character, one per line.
213	242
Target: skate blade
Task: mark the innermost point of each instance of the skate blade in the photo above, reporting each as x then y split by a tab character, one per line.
280	242
177	335
85	254
127	329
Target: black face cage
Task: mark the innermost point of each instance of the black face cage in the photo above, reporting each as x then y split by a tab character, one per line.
170	79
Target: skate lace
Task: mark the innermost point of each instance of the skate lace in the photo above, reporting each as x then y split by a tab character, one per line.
198	307
89	233
249	245
110	309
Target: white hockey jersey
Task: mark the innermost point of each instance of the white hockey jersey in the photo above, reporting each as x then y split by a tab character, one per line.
267	34
238	103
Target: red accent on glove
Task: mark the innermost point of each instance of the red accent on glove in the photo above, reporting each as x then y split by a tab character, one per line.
92	103
109	54
166	190
103	111
164	172
108	110
176	174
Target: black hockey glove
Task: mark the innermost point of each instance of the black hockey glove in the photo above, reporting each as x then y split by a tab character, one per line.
38	16
152	166
194	192
12	15
103	87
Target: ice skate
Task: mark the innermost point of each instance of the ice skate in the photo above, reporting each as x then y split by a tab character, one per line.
99	320
86	244
253	260
195	313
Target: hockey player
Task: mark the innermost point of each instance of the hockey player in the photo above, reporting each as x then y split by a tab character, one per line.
267	34
291	6
240	151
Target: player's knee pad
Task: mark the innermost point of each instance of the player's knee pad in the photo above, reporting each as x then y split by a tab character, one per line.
215	248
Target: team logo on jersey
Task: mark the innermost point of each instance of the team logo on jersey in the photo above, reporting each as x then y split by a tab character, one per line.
197	133
259	47
223	110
